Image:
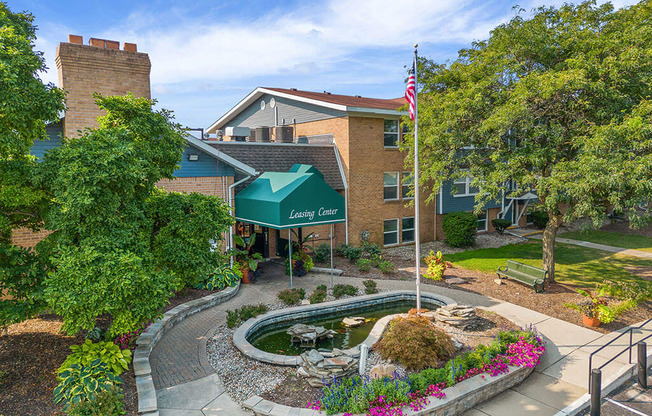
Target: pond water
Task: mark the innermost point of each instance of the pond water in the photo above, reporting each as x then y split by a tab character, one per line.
273	338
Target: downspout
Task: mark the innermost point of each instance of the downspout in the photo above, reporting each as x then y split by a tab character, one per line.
346	191
231	205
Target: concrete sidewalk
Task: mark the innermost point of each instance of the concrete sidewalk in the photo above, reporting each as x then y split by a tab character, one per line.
612	249
560	379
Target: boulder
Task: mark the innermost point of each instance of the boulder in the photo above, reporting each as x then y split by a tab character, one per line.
352	322
382	371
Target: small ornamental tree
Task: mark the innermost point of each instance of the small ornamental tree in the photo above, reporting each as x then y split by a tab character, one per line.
26	106
560	103
120	245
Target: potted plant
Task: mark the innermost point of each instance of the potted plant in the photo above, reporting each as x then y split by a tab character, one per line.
302	263
242	254
597	309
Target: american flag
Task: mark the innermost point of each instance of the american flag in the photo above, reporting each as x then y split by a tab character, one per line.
410	92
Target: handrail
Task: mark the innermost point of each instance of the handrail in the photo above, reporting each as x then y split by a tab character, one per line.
630	331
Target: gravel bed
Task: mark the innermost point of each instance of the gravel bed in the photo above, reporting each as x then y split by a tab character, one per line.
485	240
242	376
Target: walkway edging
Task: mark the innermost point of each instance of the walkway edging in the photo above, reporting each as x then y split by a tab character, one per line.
147	404
611	384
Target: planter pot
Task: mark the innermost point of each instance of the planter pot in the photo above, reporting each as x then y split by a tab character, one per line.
592	322
245	276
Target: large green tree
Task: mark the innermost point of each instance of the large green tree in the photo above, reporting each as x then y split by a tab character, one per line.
26	106
120	246
559	102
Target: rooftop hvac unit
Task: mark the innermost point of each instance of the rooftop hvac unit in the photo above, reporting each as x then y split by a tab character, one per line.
285	134
237	131
262	134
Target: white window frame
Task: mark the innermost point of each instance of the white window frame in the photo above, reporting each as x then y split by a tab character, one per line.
397	133
403	184
466	181
398	230
413	229
486	221
397	186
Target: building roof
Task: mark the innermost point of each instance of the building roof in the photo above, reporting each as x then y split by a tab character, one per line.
226	158
346	103
280	157
346	100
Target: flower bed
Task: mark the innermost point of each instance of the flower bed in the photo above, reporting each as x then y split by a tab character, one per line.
385	397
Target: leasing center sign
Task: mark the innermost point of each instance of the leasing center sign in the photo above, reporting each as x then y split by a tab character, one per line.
322	214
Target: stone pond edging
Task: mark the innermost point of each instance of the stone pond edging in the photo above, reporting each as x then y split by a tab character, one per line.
147	404
298	312
459	398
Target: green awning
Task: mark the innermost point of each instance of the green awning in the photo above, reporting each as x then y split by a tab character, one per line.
281	200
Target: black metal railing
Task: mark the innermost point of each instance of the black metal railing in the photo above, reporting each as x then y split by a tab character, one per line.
628	348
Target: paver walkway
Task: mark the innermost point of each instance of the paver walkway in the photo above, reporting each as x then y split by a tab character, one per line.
187	385
619	250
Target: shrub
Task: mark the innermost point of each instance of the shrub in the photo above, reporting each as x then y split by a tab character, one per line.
385	266
220	278
370	286
355	395
83	382
128	339
107	352
436	265
106	403
341	290
350	252
319	295
460	229
371	248
291	296
428	346
500	225
237	316
364	265
540	219
323	253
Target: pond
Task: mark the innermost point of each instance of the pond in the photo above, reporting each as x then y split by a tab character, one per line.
273	339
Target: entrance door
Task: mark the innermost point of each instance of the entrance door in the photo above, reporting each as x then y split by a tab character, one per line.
261	244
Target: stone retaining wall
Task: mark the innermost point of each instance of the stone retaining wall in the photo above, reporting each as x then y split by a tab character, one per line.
299	312
147	404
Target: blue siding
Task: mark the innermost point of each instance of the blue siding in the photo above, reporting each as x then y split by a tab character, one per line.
205	166
39	147
452	203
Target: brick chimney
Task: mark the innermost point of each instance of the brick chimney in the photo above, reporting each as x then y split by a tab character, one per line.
101	66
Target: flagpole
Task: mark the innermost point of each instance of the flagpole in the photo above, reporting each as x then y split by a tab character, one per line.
417	240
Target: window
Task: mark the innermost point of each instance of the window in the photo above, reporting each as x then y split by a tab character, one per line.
408	181
390	232
407	230
482	221
390	186
391	133
463	187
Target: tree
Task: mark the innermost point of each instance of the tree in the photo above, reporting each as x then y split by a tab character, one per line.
120	246
26	105
560	103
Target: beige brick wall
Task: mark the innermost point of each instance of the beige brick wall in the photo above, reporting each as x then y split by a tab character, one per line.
206	185
27	238
339	127
85	69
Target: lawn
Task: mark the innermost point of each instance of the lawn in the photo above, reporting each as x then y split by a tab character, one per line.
574	264
633	241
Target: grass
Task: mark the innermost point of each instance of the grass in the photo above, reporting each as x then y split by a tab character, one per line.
573	264
633	241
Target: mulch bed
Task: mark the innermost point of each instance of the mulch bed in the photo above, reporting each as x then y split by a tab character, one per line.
32	351
294	391
623	228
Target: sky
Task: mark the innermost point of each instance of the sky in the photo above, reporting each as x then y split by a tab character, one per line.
207	55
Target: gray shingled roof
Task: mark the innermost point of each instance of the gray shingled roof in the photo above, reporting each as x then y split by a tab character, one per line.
279	157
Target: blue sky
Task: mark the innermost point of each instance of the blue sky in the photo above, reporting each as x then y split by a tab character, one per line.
207	55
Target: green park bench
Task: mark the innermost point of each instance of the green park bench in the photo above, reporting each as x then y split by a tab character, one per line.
530	275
